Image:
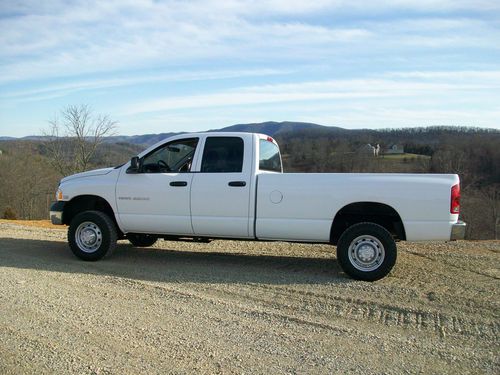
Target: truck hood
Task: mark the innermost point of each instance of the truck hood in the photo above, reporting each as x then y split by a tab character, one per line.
95	172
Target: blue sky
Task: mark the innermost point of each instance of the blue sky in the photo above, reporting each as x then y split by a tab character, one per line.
160	66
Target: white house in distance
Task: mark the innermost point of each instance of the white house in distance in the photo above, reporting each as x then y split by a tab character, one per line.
369	149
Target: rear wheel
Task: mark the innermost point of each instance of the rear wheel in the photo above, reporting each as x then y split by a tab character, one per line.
366	251
141	240
92	235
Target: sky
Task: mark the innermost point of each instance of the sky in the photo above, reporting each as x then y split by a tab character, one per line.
165	66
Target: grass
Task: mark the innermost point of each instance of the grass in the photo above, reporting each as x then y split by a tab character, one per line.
401	157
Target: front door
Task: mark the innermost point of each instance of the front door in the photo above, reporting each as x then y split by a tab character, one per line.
157	198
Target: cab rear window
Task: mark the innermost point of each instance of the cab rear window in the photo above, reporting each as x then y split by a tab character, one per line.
269	156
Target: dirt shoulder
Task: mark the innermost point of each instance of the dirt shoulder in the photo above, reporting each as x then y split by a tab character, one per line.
243	307
32	223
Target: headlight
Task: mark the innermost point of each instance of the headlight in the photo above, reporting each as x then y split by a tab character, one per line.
59	195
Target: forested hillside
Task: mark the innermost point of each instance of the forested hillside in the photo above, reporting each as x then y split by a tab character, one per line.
28	182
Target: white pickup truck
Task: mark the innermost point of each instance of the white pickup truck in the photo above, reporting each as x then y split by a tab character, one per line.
206	186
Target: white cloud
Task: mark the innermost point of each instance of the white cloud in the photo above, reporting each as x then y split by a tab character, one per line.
396	85
488	76
403	117
81	41
58	39
63	89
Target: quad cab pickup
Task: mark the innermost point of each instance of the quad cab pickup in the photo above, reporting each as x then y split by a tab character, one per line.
206	186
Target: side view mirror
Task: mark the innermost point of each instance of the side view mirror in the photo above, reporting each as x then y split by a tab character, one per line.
134	165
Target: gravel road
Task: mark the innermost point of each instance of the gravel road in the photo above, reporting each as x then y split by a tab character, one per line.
243	307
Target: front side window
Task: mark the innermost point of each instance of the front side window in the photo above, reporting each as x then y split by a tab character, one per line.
269	156
222	154
175	156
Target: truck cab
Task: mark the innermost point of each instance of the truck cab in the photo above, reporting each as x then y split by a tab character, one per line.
201	185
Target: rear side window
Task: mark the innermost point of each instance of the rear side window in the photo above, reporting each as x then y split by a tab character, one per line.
269	156
222	154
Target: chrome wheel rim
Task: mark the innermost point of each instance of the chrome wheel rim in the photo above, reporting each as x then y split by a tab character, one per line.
88	237
366	253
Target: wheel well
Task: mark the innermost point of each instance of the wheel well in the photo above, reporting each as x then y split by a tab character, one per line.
86	203
372	212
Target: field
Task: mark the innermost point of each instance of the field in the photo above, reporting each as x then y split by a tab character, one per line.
243	307
403	157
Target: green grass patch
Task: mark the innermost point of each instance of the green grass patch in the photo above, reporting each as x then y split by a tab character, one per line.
406	156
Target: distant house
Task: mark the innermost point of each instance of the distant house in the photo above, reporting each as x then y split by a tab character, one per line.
395	149
369	149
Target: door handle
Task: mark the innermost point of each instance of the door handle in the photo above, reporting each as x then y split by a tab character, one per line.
237	183
178	183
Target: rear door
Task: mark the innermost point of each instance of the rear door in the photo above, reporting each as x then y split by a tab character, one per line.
220	191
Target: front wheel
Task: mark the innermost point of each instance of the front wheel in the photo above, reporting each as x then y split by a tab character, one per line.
366	251
92	235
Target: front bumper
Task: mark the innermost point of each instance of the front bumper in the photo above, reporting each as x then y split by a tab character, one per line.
458	231
56	212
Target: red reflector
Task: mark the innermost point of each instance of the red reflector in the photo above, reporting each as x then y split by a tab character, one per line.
455	199
269	139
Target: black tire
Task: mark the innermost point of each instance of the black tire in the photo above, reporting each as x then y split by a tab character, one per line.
92	235
366	251
141	240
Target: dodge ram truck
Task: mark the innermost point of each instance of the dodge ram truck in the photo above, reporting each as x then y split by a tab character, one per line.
206	186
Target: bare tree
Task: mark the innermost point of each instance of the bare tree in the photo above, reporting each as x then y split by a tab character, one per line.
73	138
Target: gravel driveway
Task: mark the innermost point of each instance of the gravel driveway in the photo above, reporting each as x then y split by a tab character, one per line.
243	307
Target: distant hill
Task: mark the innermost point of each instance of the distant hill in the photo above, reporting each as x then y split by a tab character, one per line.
290	129
270	128
142	140
145	139
301	130
273	128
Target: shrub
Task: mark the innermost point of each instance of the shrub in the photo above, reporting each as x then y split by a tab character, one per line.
9	213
